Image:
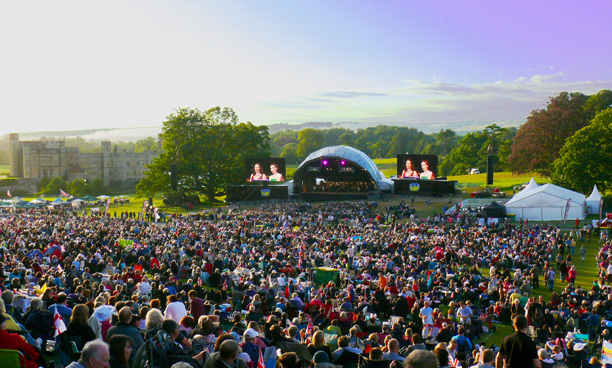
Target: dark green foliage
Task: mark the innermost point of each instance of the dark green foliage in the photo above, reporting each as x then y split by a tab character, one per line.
206	149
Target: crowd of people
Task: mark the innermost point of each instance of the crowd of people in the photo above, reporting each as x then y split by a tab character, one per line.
238	288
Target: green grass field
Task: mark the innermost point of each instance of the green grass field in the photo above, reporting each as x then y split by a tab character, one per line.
587	273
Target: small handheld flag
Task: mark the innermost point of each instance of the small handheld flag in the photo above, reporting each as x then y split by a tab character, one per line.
58	323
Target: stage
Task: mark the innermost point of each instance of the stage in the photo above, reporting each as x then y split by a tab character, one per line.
256	192
332	196
424	187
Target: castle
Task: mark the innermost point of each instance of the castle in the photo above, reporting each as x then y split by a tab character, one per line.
37	159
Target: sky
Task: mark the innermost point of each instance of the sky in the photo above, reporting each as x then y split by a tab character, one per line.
68	65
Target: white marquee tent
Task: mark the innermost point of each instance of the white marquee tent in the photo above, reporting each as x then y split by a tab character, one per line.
592	203
545	203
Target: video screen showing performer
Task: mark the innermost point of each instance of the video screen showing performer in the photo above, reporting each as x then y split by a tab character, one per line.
265	169
424	167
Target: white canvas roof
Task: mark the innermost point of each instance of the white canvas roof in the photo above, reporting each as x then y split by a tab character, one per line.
592	203
348	153
546	202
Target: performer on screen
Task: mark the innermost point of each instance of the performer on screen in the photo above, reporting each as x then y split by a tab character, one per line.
258	174
275	176
426	174
410	170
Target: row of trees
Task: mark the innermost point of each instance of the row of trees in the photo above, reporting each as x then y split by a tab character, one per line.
77	187
567	140
381	141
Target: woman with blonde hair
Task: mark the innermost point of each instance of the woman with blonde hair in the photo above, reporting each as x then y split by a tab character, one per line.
154	320
78	329
318	344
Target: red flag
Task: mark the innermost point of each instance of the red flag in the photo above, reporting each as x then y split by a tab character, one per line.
260	362
58	323
310	328
287	291
8	193
454	362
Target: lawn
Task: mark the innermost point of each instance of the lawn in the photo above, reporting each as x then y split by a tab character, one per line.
587	272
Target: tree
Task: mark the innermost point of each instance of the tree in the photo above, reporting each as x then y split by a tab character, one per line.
78	187
96	187
147	144
399	144
289	152
42	184
206	150
538	142
584	160
309	140
600	101
54	186
466	155
446	139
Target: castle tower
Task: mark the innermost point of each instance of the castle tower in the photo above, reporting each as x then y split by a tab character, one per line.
106	162
16	156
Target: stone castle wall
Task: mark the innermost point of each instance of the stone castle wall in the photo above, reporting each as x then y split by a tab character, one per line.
37	159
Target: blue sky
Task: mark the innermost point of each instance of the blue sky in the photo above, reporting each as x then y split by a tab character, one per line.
106	64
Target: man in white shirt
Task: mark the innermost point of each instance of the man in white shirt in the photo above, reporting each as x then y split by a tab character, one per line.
426	314
175	309
464	313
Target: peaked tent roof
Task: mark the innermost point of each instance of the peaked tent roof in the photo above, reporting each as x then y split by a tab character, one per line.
595	195
348	153
532	185
546	195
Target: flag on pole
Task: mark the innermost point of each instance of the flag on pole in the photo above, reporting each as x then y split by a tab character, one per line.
567	208
600	209
42	290
62	193
8	193
58	323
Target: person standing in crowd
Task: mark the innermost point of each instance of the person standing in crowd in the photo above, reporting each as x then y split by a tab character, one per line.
518	350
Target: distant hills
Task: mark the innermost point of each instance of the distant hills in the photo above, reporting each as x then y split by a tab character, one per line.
138	133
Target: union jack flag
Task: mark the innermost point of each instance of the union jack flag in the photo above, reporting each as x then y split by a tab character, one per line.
454	362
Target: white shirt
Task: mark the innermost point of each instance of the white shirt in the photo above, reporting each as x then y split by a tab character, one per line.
427	312
144	287
175	311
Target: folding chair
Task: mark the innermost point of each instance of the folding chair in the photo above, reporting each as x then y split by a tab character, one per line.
331	338
12	358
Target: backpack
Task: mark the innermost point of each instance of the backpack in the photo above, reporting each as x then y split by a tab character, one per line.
152	354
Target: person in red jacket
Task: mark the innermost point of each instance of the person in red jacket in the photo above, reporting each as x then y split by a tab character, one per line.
571	275
13	341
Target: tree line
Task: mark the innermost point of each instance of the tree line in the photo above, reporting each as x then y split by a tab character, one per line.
202	152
